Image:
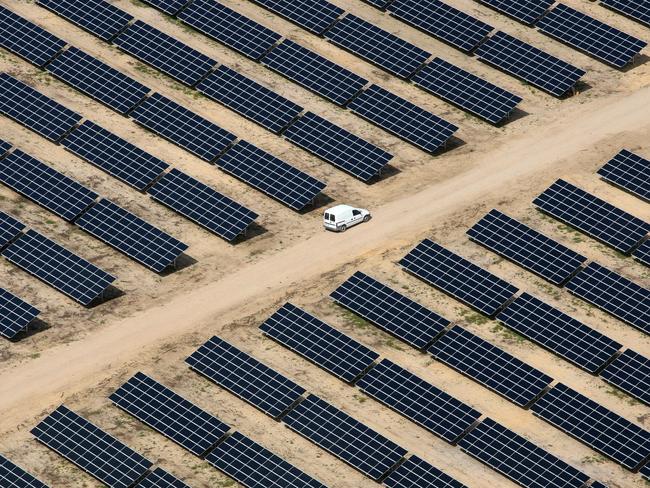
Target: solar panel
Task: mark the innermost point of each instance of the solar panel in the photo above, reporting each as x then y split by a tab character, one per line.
245	377
458	277
631	373
629	171
530	64
593	216
526	247
526	11
642	253
492	367
594	425
373	44
161	479
15	315
613	293
519	459
171	7
402	118
391	311
26	39
320	343
596	38
344	437
45	186
314	72
169	413
9	228
417	472
314	15
249	98
230	28
116	156
98	80
442	21
256	467
417	400
34	110
90	448
202	204
12	476
190	131
58	267
632	8
270	175
96	16
165	53
466	90
337	146
558	332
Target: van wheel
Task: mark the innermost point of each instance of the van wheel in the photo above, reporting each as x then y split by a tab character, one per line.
366	218
343	228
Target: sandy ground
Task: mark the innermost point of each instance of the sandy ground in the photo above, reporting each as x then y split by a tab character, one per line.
79	356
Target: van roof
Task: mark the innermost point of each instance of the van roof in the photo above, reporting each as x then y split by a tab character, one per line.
339	209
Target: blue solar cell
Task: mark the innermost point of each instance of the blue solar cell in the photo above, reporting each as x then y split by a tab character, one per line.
389	310
229	27
96	16
249	98
58	267
15	316
402	118
558	332
532	65
338	146
373	44
631	373
12	476
45	186
527	11
314	72
131	235
98	80
613	293
9	228
417	472
171	7
594	425
26	39
190	131
319	342
596	38
636	9
442	21
245	376
629	171
169	413
418	400
460	278
256	467
165	53
642	253
161	479
466	90
519	459
492	367
114	155
90	448
314	15
34	110
344	437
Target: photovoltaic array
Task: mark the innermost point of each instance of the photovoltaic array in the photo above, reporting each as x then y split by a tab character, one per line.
417	472
458	277
490	366
159	478
9	229
631	373
15	314
591	215
527	11
169	413
325	346
613	293
601	429
245	377
526	247
344	437
13	476
389	310
558	332
632	8
87	446
314	15
630	172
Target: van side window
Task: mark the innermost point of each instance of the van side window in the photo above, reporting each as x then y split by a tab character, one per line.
356	212
332	218
327	216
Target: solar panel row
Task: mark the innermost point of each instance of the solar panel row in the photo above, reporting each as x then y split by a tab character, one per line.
632	8
15	314
631	373
13	476
630	172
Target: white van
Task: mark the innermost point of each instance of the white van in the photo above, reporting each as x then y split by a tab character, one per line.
341	217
